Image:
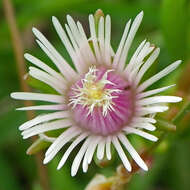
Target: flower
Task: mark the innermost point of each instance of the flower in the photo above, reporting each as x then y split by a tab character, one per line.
101	100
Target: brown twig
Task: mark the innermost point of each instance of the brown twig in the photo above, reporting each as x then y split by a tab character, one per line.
20	63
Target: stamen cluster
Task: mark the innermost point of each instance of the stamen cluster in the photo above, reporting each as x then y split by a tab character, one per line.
92	92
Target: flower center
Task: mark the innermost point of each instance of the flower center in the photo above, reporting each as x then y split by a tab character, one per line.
94	92
101	102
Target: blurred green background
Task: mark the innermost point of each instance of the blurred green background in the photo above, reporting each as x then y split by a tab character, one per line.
166	23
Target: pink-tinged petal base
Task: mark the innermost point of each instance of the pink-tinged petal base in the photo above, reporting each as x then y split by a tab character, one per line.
116	118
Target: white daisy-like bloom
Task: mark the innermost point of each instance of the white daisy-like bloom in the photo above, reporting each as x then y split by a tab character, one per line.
102	99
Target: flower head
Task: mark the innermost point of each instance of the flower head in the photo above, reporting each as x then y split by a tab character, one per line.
102	99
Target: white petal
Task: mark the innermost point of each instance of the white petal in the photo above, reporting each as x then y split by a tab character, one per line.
107	40
147	126
43	66
148	136
41	128
44	107
70	149
94	38
78	158
147	64
134	57
155	91
158	76
136	62
48	79
121	44
144	120
44	118
76	60
64	138
60	63
80	41
101	37
101	149
87	47
152	109
90	152
37	96
92	148
130	37
144	52
121	153
159	99
132	152
108	148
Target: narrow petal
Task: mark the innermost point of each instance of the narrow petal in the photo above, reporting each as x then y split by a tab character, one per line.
101	149
93	148
90	152
41	128
94	38
148	136
44	107
80	41
101	37
87	47
37	96
158	76
159	99
76	60
70	149
152	109
79	156
134	57
44	118
144	120
56	146
132	152
147	126
43	66
48	79
108	148
107	40
121	44
130	37
136	62
155	91
121	153
60	63
147	65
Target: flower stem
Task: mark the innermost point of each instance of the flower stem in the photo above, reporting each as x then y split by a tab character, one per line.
20	63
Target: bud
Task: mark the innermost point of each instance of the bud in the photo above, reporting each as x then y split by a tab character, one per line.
98	14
